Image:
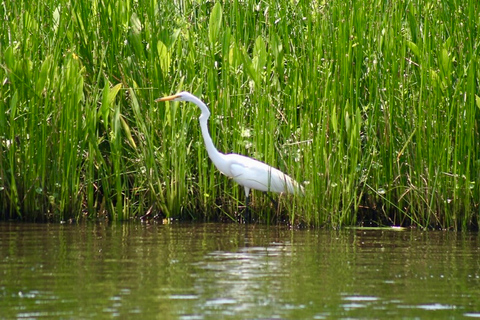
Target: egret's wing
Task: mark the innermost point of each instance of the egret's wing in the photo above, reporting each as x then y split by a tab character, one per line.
250	176
257	175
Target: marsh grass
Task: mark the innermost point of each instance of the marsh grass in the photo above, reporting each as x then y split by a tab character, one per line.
372	105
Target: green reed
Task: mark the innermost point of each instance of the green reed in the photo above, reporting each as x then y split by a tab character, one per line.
373	106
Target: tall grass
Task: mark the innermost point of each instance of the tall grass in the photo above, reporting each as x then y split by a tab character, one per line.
372	105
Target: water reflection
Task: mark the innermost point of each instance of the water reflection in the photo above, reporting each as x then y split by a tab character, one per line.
203	271
243	279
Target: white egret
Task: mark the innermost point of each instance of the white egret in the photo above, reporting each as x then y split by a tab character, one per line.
247	172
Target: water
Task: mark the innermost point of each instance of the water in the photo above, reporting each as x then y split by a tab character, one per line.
218	271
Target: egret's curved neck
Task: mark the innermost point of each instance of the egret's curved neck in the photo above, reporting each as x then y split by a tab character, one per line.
212	151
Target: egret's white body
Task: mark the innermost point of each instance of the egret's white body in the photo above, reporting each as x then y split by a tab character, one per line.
247	172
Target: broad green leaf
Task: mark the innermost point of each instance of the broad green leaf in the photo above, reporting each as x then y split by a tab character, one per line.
412	46
448	43
276	46
139	116
128	132
434	77
234	56
226	42
174	37
445	61
446	67
116	125
13	105
247	62
108	99
79	86
30	22
214	23
259	55
56	19
477	101
135	36
136	24
412	20
164	56
347	120
358	118
10	58
113	93
43	75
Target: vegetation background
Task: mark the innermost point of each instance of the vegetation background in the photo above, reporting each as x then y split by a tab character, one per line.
373	105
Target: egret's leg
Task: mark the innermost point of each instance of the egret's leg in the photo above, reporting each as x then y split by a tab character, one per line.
246	216
247	210
275	203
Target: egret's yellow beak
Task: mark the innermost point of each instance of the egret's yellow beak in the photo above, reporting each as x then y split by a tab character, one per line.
169	98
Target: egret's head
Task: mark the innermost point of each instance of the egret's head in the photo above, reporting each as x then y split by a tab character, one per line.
187	96
182	96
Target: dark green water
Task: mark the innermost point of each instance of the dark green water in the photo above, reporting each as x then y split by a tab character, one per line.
218	271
